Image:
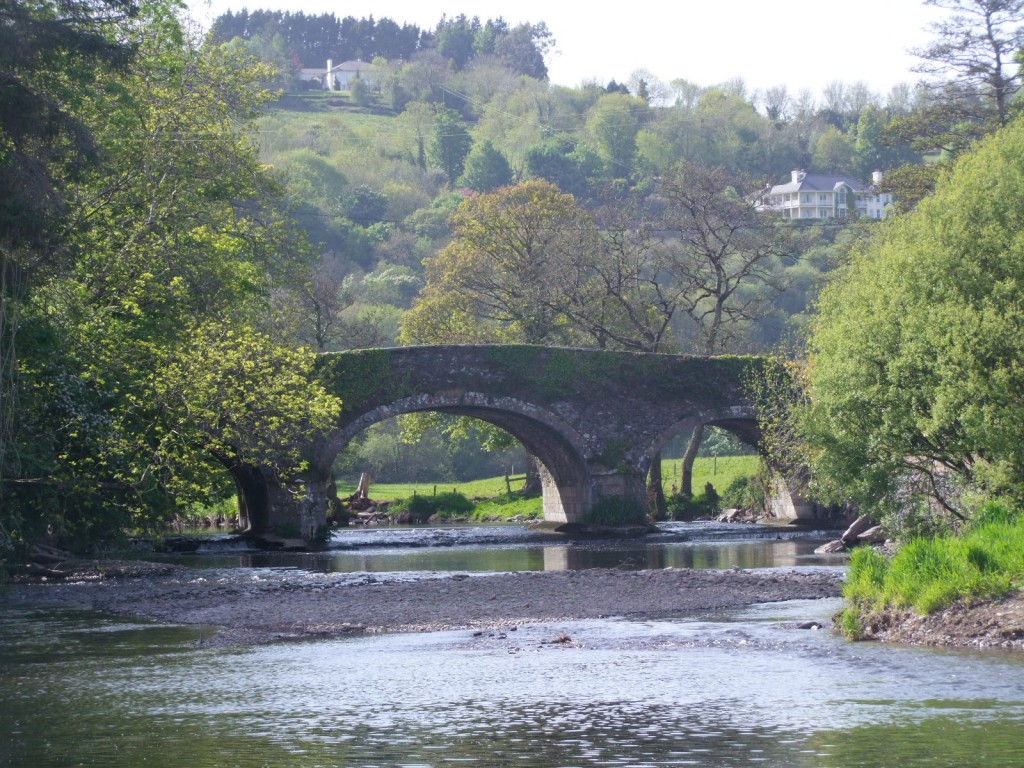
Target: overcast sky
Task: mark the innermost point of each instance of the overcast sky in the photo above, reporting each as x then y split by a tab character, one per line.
799	45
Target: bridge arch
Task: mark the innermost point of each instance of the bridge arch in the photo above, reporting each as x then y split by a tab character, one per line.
739	420
555	443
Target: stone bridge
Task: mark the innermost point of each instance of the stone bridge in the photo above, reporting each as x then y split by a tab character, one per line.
594	419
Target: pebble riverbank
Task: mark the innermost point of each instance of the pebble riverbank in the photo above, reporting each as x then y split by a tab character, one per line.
244	607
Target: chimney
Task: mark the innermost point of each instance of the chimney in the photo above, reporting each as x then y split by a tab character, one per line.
328	77
876	177
798	175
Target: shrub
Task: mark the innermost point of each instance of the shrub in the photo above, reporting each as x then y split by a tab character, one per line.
422	508
683	507
745	492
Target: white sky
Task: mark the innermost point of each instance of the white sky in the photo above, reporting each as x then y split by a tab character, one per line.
796	44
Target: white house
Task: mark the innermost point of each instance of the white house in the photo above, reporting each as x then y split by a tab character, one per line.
821	196
339	76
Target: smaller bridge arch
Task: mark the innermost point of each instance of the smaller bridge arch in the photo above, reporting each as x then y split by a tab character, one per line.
594	419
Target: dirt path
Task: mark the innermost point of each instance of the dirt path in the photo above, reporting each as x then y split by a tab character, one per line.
249	607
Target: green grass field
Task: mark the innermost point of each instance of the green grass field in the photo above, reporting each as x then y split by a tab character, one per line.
489	492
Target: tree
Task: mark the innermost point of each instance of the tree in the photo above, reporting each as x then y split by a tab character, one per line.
913	372
498	275
974	48
522	49
613	122
52	56
725	259
450	144
173	240
834	153
723	251
486	168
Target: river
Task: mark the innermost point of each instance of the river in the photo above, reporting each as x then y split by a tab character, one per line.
742	687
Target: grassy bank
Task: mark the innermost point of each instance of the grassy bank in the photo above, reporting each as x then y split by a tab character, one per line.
928	575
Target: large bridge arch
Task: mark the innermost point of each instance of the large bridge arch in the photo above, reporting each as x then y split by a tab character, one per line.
555	443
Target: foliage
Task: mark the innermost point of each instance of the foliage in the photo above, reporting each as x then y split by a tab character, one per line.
450	143
149	371
494	280
914	379
702	505
616	511
422	508
486	168
51	53
746	492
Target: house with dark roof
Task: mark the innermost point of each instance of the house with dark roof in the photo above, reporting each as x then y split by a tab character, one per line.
338	77
824	196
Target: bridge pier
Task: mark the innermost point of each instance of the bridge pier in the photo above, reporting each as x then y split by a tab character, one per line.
296	510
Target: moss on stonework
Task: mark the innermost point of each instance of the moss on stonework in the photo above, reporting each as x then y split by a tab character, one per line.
357	377
372	376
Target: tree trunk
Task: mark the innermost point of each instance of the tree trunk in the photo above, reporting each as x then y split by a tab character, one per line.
656	489
686	483
253	509
532	487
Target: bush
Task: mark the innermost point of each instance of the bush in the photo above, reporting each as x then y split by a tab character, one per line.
745	492
616	511
422	508
683	507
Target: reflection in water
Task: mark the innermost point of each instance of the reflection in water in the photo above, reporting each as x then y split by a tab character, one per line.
577	556
738	689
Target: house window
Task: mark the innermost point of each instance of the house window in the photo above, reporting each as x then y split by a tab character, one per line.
806	199
842	197
822	197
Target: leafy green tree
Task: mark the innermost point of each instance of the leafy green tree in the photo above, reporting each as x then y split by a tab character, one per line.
614	122
172	246
835	153
496	279
873	151
914	378
53	57
450	143
486	168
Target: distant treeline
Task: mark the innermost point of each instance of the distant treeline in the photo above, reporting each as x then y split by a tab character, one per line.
311	40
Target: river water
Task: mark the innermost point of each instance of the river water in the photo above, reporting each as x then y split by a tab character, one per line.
737	688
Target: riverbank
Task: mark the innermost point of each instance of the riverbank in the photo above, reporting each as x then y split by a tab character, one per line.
965	624
245	607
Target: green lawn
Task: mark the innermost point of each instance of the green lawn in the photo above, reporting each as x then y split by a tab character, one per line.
487	488
718	472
